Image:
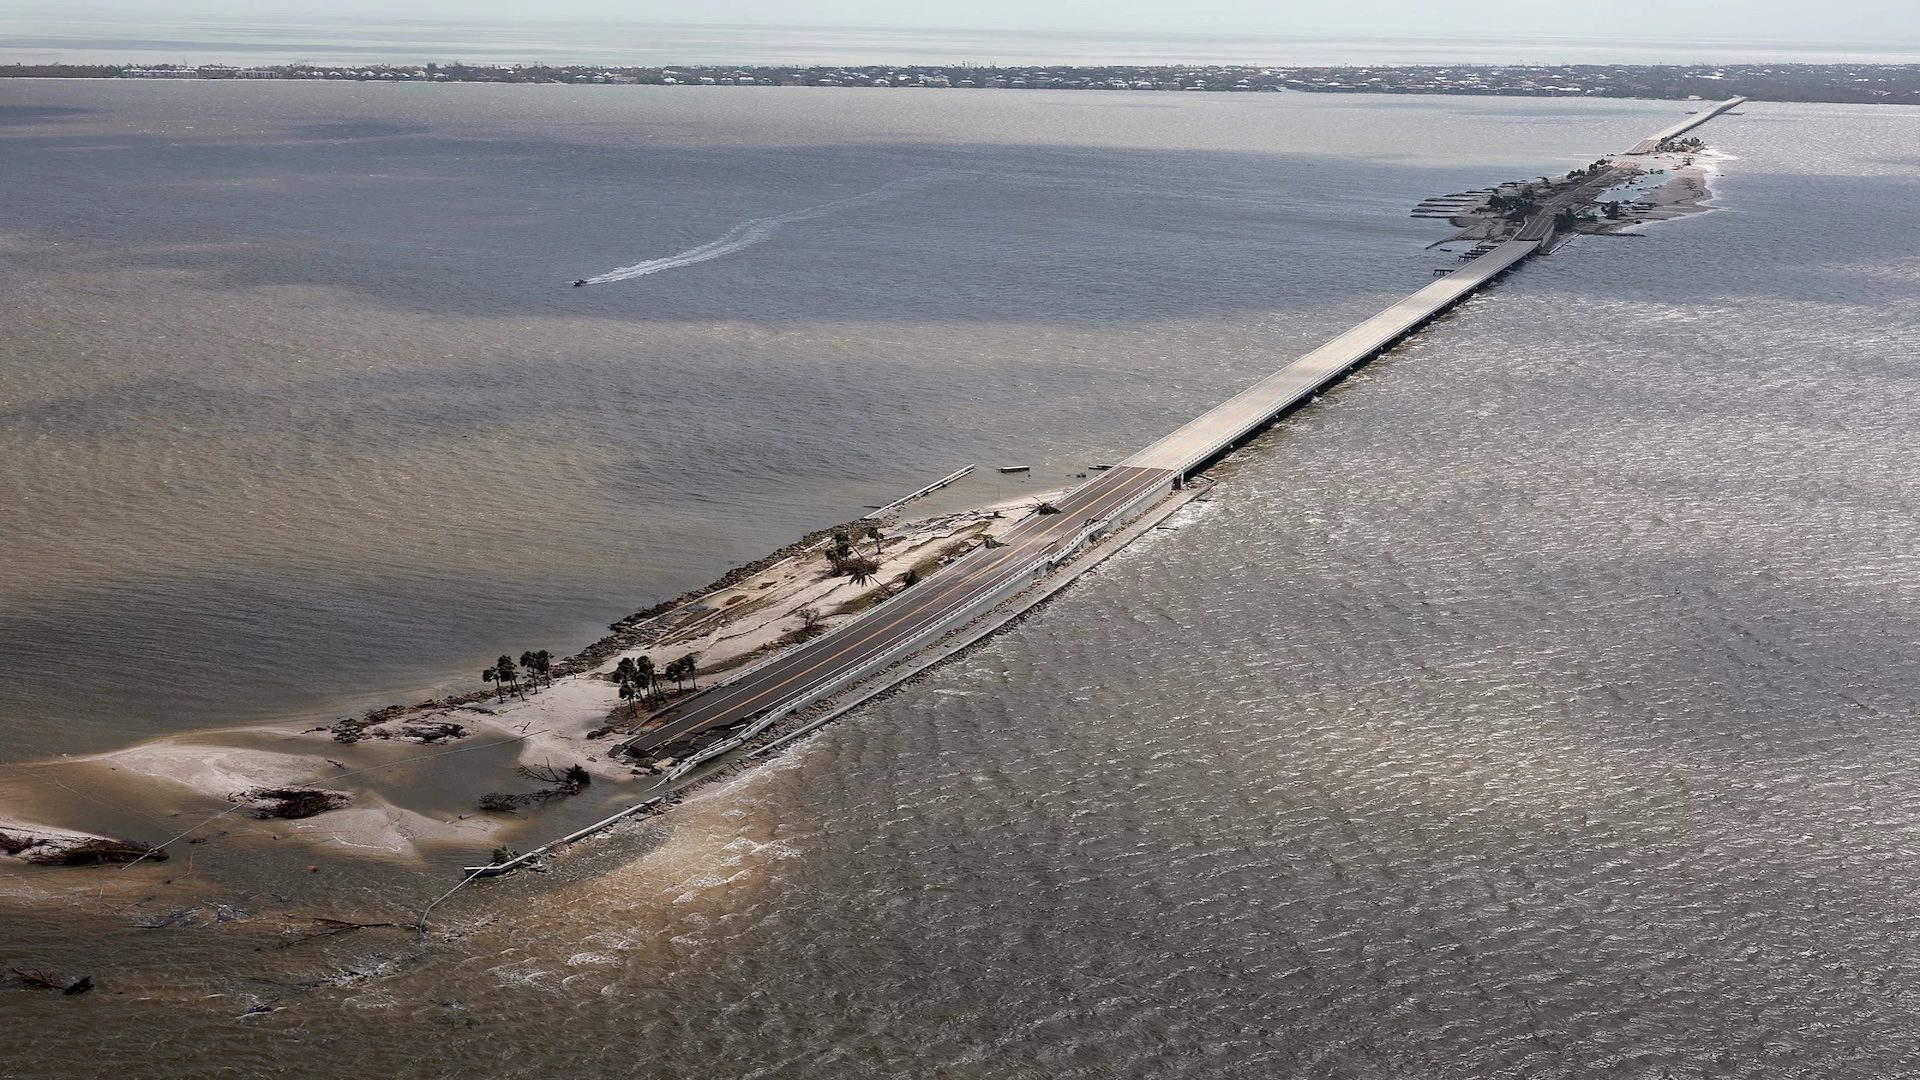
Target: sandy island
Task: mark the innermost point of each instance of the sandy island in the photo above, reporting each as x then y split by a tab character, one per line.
356	785
1661	186
364	776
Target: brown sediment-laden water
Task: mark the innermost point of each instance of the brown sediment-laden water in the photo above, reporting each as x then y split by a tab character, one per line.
1538	702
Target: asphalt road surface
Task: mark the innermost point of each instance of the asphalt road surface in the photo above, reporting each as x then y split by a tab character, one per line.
915	613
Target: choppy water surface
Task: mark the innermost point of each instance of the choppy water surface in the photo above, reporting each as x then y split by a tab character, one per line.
300	414
1539	704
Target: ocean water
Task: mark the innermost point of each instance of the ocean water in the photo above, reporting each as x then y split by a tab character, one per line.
46	34
1539	703
302	417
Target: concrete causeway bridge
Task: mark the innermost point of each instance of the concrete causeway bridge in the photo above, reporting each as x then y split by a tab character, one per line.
724	717
984	578
1652	142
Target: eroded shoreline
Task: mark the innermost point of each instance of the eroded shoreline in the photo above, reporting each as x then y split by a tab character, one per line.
366	772
404	780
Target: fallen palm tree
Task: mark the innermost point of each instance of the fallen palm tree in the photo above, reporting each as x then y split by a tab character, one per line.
566	782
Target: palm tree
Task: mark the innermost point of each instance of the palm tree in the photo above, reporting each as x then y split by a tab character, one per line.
862	572
629	693
681	671
643	673
873	534
537	665
505	671
492	675
692	661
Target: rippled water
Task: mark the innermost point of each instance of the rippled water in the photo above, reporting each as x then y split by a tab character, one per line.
64	34
300	415
1540	703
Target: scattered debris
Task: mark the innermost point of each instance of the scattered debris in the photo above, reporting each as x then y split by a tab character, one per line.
47	980
566	782
501	802
321	927
352	729
291	802
573	776
380	724
176	917
223	913
432	731
75	850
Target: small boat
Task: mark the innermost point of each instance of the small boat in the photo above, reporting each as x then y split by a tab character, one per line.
577	282
1015	468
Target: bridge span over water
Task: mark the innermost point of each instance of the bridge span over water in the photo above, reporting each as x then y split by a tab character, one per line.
987	577
982	578
1652	142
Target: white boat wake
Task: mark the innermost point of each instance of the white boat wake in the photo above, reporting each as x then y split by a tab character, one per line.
748	233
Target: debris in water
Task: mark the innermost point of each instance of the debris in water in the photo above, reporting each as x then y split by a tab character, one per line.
47	980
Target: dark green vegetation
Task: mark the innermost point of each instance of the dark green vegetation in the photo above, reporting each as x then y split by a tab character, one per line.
640	679
636	679
505	672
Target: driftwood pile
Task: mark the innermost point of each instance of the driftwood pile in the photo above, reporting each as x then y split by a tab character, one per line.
368	725
47	980
75	851
568	782
290	802
320	927
352	729
431	731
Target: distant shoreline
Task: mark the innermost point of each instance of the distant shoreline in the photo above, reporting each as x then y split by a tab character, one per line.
1865	84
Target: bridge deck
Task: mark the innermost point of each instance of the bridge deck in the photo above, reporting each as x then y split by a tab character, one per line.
1240	416
921	612
1652	142
924	613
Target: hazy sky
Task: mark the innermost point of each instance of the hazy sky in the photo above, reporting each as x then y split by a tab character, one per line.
1854	21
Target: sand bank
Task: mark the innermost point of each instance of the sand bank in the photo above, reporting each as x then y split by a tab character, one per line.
412	775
